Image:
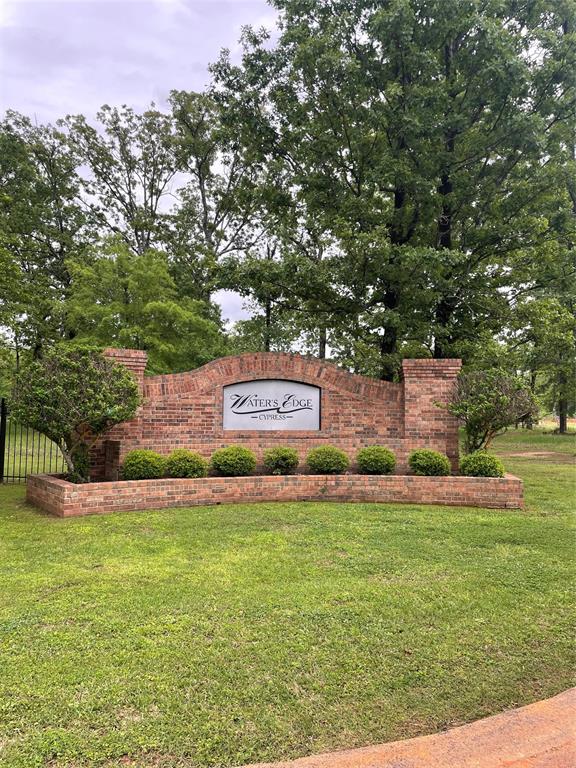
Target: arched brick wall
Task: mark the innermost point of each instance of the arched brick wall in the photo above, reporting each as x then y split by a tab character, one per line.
185	409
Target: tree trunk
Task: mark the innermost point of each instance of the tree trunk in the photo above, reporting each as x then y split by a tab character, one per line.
389	341
67	457
562	415
388	346
77	458
446	305
445	218
562	381
322	344
442	315
267	324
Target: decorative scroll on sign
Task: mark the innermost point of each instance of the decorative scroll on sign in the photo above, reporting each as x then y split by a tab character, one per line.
271	404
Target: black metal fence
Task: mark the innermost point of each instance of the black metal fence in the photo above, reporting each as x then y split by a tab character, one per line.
23	451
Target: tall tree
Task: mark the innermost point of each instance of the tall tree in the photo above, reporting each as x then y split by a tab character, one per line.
547	337
128	300
42	229
131	167
217	215
419	134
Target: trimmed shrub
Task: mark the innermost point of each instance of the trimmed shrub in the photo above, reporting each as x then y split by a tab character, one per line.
143	465
327	460
375	460
184	463
233	461
481	464
424	461
281	460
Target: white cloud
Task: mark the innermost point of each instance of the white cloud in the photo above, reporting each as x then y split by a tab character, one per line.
233	306
175	8
173	4
72	56
7	13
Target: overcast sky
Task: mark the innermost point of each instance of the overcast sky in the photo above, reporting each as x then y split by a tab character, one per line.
60	57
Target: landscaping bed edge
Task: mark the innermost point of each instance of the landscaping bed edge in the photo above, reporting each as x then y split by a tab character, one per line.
60	497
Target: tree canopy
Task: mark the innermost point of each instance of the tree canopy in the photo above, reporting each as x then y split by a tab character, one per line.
422	140
378	180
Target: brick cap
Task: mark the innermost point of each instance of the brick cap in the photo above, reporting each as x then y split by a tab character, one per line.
133	354
134	359
431	367
250	366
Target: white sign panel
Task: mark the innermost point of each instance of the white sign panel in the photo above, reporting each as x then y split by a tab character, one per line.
271	404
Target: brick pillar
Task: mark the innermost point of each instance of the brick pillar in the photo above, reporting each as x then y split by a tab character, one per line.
104	459
134	359
426	383
111	459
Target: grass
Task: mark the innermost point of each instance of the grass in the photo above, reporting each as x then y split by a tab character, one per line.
537	439
223	635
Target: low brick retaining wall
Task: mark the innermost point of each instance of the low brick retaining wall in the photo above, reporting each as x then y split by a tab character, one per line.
65	499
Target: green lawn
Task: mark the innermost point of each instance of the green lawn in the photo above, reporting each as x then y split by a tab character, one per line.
217	636
537	439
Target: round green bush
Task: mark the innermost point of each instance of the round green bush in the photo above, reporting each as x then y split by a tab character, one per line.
281	460
375	460
233	461
481	464
184	463
142	465
427	462
327	460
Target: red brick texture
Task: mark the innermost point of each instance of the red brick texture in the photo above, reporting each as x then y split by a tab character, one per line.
65	499
185	410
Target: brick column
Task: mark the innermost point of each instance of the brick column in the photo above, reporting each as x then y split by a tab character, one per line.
104	457
134	359
111	459
426	383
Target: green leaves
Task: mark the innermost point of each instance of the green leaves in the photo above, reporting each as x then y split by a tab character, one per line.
72	395
131	301
130	159
402	129
42	226
487	402
381	178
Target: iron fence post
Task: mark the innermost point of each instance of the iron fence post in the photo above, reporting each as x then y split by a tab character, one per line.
3	420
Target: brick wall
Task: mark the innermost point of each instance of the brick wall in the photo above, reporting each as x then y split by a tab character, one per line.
185	410
65	499
428	383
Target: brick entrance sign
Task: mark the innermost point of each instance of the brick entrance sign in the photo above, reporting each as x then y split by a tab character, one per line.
269	399
262	400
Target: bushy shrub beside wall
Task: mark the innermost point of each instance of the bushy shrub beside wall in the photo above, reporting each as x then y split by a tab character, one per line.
233	461
184	463
281	460
424	461
72	395
142	464
375	460
481	464
327	460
